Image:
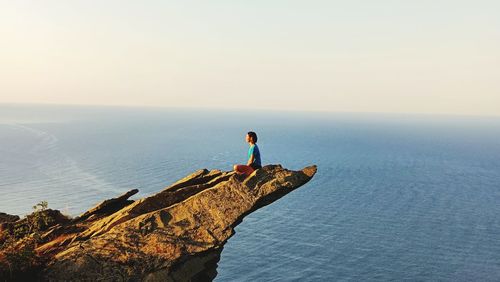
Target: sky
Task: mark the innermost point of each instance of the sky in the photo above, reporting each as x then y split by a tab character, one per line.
426	56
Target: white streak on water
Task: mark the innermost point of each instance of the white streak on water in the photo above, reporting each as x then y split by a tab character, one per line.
65	182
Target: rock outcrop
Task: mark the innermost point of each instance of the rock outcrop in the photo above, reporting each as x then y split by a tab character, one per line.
174	235
4	217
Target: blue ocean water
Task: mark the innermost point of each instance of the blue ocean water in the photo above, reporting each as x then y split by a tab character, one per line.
396	197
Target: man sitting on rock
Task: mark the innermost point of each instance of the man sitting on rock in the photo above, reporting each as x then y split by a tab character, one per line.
253	162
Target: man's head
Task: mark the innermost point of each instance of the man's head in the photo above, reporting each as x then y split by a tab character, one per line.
251	137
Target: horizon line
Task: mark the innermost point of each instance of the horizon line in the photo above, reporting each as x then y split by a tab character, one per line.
319	111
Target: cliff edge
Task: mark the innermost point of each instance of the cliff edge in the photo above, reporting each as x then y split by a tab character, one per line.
174	235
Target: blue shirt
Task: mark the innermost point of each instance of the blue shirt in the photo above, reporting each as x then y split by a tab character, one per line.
254	150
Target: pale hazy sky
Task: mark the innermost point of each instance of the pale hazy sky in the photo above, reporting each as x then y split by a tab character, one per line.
426	56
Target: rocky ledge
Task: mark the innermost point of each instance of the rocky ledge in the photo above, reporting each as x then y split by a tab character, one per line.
174	235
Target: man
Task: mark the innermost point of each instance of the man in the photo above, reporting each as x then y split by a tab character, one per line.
253	162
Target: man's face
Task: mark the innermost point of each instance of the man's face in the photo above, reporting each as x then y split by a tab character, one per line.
247	138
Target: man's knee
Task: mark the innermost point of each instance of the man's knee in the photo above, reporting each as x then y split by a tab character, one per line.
235	167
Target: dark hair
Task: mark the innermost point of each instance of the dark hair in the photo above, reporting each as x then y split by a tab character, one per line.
253	135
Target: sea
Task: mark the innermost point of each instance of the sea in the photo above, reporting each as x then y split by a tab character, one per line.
397	197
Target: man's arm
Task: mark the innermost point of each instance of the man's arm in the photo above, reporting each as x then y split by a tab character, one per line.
250	160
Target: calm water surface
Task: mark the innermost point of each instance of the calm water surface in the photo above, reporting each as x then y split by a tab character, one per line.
396	197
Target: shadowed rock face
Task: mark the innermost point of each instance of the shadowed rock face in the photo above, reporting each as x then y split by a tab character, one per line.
7	217
174	235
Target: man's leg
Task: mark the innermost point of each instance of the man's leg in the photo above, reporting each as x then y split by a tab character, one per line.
244	169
